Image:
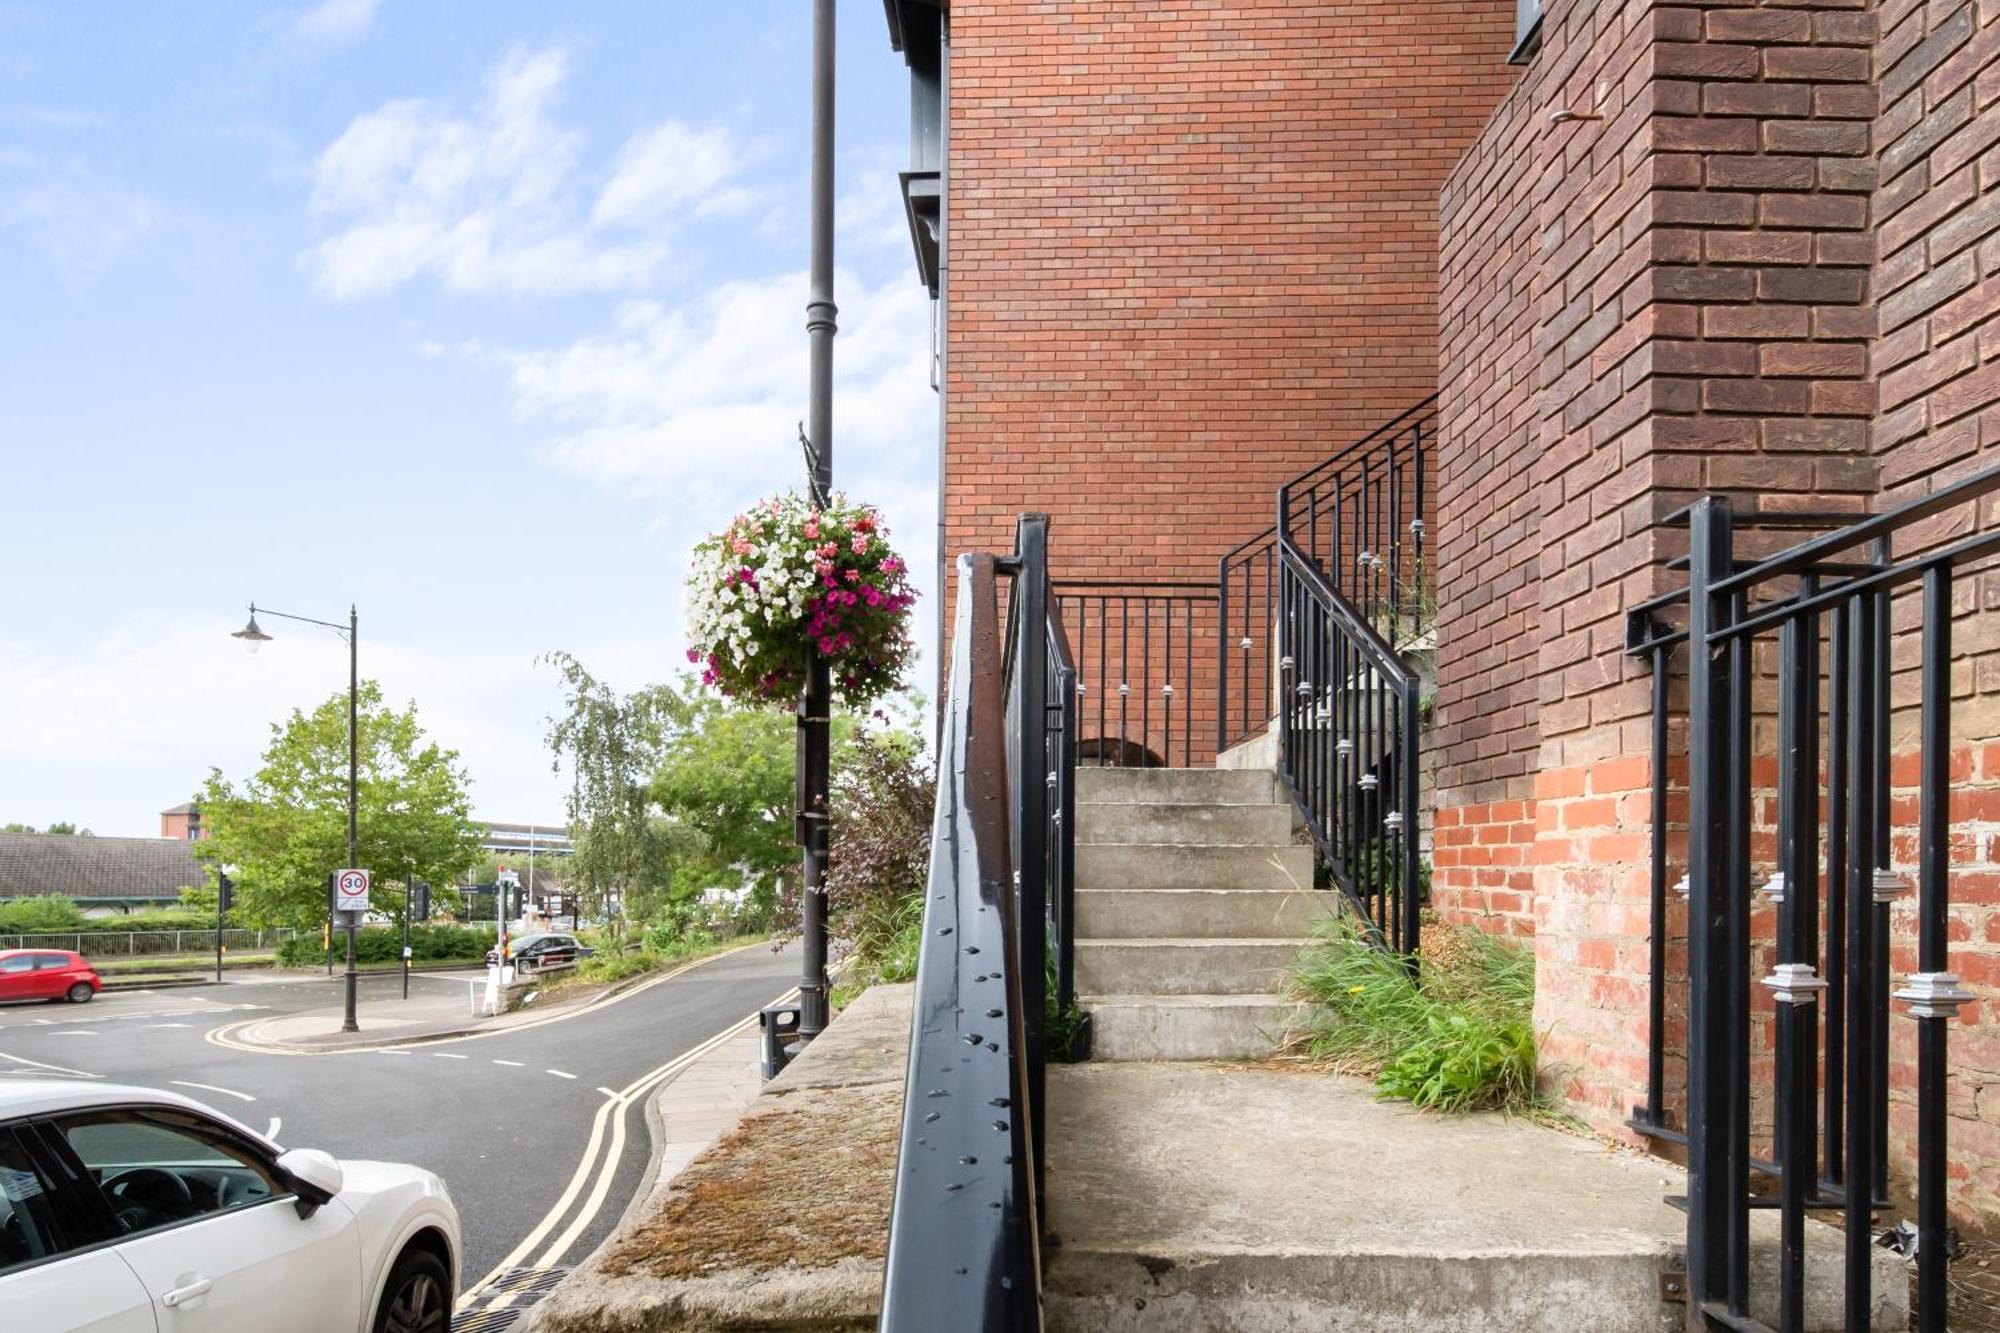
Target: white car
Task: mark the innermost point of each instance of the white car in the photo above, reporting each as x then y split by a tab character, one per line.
128	1210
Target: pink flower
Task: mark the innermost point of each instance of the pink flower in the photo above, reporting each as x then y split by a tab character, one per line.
891	565
854	576
826	644
694	654
860	543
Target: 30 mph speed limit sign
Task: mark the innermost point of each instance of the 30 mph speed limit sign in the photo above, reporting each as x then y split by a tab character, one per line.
350	891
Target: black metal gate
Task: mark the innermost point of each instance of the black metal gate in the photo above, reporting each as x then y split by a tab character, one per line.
1798	648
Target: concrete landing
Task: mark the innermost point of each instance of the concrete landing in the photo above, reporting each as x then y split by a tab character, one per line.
1209	1199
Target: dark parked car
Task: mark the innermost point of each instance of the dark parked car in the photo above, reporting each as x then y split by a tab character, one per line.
541	952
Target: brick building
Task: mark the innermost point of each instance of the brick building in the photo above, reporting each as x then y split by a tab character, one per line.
1187	248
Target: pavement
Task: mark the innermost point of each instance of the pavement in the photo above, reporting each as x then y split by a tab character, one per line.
537	1127
742	1237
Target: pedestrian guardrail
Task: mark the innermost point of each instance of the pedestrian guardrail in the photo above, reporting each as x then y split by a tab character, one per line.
149	943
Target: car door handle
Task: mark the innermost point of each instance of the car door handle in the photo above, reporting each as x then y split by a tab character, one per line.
198	1287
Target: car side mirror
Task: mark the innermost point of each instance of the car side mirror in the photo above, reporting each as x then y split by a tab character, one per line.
313	1175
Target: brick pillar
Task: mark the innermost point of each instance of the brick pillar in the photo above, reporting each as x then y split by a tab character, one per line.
1696	300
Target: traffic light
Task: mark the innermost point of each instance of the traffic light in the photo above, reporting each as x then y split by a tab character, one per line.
225	893
420	901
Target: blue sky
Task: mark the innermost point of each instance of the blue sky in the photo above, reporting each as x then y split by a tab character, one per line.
477	314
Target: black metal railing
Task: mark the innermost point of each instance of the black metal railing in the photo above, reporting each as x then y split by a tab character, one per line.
1348	750
1360	519
1246	584
1826	1000
964	1228
1145	663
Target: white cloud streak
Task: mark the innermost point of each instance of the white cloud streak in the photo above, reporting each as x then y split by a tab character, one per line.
80	219
494	202
337	22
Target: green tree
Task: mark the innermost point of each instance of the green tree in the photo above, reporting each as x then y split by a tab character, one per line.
726	772
61	828
610	742
285	828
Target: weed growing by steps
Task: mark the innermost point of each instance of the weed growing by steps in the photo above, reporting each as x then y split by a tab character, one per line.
1460	1039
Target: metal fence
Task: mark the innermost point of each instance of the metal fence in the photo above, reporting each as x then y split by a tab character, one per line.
148	943
1806	1043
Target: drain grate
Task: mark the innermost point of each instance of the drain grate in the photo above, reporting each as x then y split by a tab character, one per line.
500	1306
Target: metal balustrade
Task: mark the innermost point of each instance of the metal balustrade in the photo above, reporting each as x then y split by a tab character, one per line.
1824	615
964	1226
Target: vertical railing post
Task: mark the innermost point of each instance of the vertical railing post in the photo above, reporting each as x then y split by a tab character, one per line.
1031	809
1412	867
1861	986
1221	656
1708	943
1933	993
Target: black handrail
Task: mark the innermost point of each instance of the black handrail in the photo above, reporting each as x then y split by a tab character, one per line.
1246	583
1830	991
964	1226
1349	750
1142	660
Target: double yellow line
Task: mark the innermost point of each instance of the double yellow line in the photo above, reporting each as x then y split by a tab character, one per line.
612	1114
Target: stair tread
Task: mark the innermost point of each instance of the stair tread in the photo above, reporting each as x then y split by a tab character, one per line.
1087	841
1206	888
1191	941
1223	1000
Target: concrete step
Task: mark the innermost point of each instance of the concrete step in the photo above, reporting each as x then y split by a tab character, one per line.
1183	966
1195	1198
1178	786
1193	866
1144	822
1199	913
1187	1027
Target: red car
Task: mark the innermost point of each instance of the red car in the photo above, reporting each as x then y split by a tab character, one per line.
47	974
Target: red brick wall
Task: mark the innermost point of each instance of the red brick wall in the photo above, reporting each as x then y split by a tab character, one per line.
1192	246
1664	297
1937	288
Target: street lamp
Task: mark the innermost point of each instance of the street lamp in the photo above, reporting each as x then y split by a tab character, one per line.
254	637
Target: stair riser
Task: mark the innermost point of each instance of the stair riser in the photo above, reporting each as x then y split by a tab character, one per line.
1131	822
1168	866
1198	913
1219	967
1195	786
1146	1032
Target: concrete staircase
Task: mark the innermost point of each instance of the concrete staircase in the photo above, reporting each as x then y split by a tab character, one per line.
1192	899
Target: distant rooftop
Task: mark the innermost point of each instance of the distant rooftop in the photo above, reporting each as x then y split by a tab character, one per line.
91	869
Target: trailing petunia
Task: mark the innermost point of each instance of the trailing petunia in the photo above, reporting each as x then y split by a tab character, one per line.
786	577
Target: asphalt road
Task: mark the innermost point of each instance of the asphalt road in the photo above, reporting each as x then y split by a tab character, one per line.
510	1120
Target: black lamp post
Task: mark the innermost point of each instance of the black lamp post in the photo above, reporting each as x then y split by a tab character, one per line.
351	631
816	704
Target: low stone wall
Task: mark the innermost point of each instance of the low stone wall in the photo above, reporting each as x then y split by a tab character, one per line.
781	1223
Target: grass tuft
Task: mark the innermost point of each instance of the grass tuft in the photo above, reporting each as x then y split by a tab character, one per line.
1462	1039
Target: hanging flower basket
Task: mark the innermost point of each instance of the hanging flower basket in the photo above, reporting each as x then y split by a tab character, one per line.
786	576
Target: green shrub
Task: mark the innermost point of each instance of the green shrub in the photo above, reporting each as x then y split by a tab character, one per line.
1461	1039
384	944
883	800
50	911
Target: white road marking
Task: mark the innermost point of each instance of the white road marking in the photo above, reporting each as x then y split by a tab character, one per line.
271	1130
559	1073
391	1051
606	1091
210	1087
58	1069
447	1055
512	1064
76	1032
169	1025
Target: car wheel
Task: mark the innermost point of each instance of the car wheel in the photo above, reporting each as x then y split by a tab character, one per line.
418	1297
80	993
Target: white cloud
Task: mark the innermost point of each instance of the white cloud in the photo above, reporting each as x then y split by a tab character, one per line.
674	168
82	220
337	21
706	399
496	200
